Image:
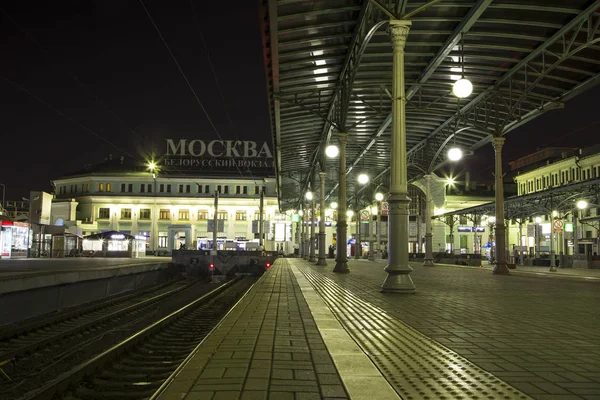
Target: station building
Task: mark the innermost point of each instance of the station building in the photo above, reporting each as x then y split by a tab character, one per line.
171	203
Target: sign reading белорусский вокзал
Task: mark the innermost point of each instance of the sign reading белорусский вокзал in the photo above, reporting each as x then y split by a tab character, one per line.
219	155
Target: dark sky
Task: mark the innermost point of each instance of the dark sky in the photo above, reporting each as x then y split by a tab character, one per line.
101	81
103	65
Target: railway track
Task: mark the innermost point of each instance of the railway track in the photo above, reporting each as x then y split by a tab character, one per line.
37	355
137	366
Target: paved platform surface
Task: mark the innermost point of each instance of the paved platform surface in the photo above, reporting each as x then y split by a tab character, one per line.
465	334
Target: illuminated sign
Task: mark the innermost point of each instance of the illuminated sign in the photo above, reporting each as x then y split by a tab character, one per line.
568	227
117	236
218	155
470	229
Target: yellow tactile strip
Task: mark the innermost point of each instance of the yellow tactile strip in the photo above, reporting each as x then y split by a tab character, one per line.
416	366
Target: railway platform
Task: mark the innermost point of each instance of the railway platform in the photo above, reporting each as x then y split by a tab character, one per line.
33	287
304	332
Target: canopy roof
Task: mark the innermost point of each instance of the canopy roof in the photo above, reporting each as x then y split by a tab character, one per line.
329	70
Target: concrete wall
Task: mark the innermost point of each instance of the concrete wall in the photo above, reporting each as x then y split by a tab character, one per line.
53	293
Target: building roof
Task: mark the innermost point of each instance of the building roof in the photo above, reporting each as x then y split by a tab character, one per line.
329	69
124	165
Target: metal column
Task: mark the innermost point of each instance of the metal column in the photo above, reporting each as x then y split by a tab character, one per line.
428	236
500	268
311	245
341	261
322	257
215	221
371	234
398	279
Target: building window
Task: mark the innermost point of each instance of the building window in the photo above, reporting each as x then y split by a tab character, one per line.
206	189
149	188
238	190
222	215
240	215
122	187
184	215
256	189
145	213
245	191
108	187
162	239
199	188
142	188
257	216
130	188
226	189
101	187
219	188
104	213
169	188
125	213
161	188
180	188
188	189
164	214
202	215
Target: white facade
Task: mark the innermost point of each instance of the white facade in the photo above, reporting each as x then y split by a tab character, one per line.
169	211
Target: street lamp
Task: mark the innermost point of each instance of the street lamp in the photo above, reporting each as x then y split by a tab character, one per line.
333	205
582	204
379	198
349	213
309	195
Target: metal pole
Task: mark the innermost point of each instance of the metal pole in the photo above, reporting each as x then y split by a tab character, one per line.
500	268
311	249
418	243
371	234
302	216
428	236
260	217
379	211
521	260
575	236
215	220
322	257
398	279
552	258
357	239
537	240
341	260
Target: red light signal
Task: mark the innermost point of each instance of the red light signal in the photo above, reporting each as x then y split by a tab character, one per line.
268	265
211	266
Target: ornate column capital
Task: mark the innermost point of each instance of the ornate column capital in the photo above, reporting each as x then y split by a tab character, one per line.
322	174
342	138
498	142
398	32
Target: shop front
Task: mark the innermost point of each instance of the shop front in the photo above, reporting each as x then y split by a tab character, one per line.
14	239
114	244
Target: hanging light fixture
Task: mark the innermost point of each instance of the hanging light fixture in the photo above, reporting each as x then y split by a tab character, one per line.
333	205
463	87
332	151
363	178
454	154
309	195
378	196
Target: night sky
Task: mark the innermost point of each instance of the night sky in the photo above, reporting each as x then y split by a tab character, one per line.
80	80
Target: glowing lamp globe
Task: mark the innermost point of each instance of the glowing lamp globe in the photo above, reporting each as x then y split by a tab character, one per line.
349	213
454	154
538	220
462	88
379	196
333	205
582	204
309	196
363	179
332	151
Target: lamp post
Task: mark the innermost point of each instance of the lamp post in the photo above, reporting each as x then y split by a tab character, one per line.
341	260
538	230
379	198
153	233
322	257
311	247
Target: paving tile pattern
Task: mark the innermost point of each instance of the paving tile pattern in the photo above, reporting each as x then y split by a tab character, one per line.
268	347
542	336
417	367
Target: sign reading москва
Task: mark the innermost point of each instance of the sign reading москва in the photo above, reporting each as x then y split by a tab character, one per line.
218	155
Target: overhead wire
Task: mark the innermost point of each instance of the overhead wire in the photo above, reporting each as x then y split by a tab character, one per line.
185	78
212	68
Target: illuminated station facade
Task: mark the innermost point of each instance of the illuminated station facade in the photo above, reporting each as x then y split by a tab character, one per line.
170	202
